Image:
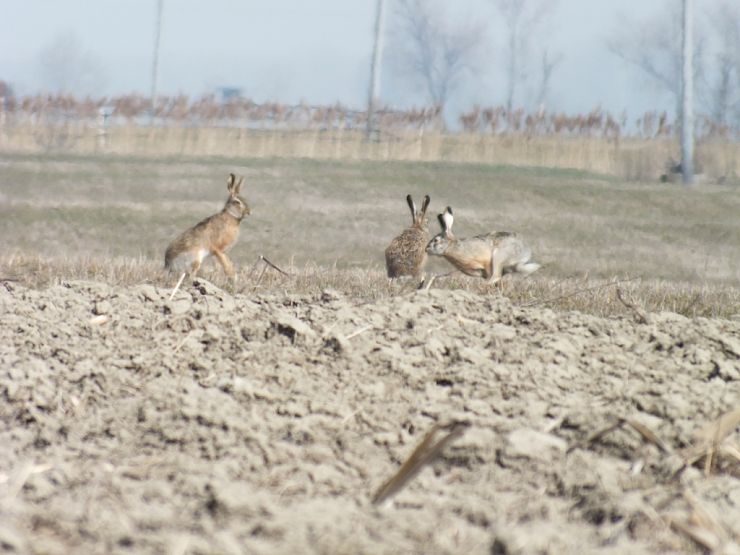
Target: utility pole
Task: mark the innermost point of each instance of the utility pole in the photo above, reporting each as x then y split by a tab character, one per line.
372	101
155	57
687	94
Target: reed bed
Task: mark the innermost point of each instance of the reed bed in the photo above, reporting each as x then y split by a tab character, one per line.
629	158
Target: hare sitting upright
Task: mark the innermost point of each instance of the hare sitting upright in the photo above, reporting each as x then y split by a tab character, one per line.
489	256
405	256
213	236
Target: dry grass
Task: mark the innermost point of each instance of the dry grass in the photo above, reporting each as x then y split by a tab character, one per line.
634	159
594	296
110	219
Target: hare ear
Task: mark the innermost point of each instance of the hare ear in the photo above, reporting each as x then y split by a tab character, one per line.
412	206
238	186
442	222
425	206
230	183
447	218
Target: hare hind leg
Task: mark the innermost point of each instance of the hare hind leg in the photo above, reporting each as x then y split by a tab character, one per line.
496	267
226	264
497	270
194	268
420	278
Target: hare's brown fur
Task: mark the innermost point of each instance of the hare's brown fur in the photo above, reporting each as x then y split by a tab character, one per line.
489	256
213	236
406	254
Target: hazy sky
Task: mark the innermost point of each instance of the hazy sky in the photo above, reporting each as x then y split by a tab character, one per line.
289	50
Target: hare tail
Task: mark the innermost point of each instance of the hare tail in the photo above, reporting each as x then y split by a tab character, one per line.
527	268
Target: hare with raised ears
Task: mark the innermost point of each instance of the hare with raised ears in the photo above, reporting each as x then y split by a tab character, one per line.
213	236
405	256
489	256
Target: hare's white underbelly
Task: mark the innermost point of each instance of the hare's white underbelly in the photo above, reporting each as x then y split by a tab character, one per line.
186	258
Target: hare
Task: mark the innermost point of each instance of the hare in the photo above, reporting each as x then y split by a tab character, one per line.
489	256
213	236
405	256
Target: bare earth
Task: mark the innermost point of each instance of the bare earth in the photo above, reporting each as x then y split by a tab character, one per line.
214	423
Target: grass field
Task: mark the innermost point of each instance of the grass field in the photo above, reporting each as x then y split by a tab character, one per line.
328	222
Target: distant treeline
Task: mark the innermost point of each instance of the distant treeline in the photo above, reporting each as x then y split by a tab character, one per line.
242	112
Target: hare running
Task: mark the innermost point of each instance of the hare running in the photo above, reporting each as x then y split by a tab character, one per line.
489	256
213	236
405	256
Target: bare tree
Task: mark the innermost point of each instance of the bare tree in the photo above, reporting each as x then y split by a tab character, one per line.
433	49
67	68
547	67
724	85
522	18
655	47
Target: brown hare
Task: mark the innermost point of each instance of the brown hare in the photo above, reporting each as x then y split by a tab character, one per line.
405	256
211	237
489	256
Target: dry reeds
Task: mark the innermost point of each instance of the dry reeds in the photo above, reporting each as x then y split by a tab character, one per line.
647	434
428	449
595	141
704	528
699	524
635	159
710	442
